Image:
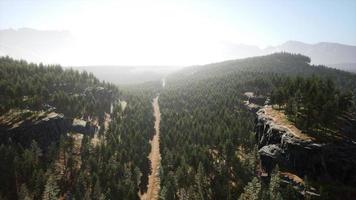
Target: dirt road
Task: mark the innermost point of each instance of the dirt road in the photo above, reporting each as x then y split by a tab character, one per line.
155	158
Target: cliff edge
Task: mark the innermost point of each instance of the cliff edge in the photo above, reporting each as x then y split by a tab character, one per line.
280	142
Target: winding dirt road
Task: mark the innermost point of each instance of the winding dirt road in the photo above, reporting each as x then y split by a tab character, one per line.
155	158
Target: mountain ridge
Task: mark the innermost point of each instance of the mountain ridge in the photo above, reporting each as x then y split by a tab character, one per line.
52	46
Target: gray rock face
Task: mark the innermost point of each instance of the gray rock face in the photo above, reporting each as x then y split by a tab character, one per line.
273	151
24	126
84	127
325	162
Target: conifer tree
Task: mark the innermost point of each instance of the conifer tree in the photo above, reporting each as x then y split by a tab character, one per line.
252	190
274	185
51	191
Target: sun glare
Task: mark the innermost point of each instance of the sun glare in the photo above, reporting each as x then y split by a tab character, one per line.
146	34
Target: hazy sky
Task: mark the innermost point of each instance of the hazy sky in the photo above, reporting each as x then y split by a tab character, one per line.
181	32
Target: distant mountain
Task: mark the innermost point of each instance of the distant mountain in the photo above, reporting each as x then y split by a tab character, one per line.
321	53
57	47
234	51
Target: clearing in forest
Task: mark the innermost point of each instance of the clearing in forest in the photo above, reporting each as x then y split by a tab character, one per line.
281	119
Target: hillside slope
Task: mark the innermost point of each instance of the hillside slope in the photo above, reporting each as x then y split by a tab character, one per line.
49	120
278	63
207	134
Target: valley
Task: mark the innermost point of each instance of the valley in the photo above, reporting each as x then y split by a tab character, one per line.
155	158
178	100
239	129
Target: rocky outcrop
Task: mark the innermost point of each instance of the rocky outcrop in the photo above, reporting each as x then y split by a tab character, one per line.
332	161
84	127
252	102
23	126
45	127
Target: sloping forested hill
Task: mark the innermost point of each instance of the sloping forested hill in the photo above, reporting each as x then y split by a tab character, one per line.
46	156
207	135
208	144
278	63
26	85
206	140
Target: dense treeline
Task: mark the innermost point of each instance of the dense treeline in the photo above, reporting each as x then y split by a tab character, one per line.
312	103
112	165
278	63
207	141
118	167
27	85
23	171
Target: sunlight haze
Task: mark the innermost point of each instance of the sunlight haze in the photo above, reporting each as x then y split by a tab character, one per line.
178	99
175	33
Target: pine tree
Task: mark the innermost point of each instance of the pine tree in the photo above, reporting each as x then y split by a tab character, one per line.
202	183
274	185
51	191
252	190
168	191
39	182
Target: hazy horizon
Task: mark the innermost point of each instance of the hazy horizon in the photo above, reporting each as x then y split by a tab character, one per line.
178	99
173	33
